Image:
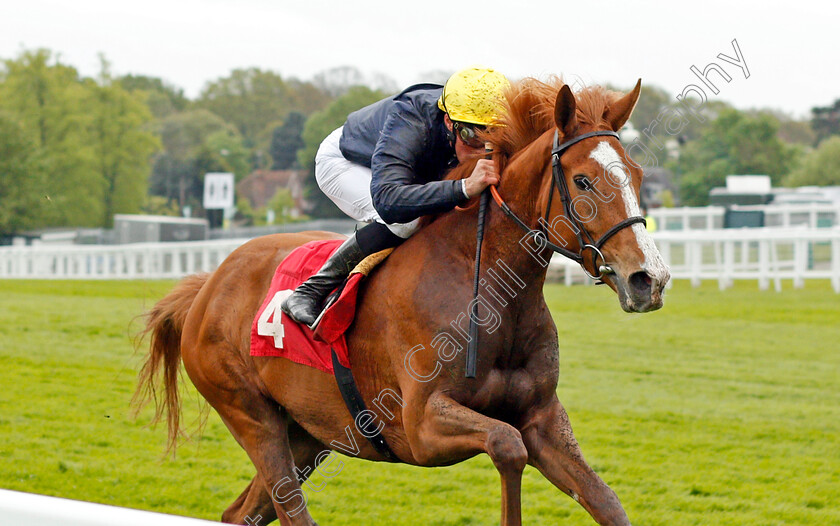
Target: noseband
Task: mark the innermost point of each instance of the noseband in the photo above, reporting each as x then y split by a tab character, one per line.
558	180
585	240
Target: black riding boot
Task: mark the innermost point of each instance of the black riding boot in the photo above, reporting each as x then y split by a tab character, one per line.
304	305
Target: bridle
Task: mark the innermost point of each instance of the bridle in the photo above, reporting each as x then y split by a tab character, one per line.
585	240
558	180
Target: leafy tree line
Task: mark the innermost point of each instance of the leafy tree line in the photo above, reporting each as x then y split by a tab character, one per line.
792	153
734	143
74	150
728	141
252	119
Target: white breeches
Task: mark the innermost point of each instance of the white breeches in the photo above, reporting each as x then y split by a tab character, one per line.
347	184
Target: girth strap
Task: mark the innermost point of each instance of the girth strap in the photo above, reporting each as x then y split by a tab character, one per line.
356	404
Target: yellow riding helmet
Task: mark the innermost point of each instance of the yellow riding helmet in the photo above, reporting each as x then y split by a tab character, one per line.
474	96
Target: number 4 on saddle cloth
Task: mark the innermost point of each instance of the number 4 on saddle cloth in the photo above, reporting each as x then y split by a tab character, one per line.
275	334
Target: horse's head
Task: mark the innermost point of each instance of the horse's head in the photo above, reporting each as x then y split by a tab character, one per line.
597	184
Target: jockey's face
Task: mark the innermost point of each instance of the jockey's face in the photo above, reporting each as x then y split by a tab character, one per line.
463	150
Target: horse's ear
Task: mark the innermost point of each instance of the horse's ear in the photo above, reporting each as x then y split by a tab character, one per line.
619	111
564	111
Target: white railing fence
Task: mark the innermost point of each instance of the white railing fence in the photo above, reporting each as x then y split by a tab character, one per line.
37	510
139	260
768	255
763	254
711	217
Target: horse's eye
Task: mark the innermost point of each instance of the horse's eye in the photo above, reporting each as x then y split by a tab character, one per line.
583	183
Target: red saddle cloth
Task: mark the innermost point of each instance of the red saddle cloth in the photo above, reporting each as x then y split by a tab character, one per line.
275	334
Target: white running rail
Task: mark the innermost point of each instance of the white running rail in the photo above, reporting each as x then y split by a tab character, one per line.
768	255
131	261
763	254
711	217
28	509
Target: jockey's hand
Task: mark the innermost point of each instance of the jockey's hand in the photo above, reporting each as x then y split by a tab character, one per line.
482	176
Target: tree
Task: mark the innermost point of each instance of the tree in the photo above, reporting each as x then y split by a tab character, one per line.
245	213
651	101
223	151
317	127
51	104
122	145
381	82
661	118
307	98
338	81
734	143
160	206
22	179
177	171
796	132
820	168
825	120
162	98
91	136
282	203
286	140
249	99
253	99
791	130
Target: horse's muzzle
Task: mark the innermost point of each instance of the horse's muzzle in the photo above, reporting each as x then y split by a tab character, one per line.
641	291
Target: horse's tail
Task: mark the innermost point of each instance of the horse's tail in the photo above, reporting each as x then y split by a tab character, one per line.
165	322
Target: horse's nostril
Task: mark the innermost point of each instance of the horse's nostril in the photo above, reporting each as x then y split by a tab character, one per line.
640	282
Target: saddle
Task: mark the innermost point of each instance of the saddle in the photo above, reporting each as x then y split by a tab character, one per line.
274	334
340	307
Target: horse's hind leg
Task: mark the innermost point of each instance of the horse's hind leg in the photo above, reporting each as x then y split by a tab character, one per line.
254	506
553	450
263	432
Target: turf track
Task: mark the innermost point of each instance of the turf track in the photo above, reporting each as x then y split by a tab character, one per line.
723	408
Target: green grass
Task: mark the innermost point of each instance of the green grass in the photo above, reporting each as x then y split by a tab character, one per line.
721	409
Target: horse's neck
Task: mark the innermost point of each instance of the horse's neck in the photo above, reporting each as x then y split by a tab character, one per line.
520	186
502	250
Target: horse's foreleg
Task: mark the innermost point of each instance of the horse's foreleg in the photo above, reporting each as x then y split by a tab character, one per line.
554	451
445	431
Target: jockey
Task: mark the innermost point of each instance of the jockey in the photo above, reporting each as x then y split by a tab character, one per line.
385	165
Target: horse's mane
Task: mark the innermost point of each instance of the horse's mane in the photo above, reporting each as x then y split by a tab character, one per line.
529	111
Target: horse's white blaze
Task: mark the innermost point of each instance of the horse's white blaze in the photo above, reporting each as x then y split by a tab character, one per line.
608	158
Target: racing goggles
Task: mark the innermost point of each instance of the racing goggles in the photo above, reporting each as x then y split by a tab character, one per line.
468	133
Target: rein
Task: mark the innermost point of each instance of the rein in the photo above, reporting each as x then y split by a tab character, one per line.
558	180
482	214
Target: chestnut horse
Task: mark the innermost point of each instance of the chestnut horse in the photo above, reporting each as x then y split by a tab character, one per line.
410	325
